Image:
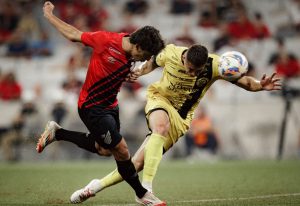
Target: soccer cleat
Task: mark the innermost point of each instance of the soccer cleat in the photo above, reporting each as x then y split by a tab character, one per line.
149	200
48	136
81	195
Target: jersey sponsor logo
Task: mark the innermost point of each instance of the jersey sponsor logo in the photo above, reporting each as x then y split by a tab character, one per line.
106	138
111	60
114	50
202	82
179	87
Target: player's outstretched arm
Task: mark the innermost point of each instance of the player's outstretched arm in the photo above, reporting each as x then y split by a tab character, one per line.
267	83
67	30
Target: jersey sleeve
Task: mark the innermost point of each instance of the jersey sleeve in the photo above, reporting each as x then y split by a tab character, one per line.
96	40
160	59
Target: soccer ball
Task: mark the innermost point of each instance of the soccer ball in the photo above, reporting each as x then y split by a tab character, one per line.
232	65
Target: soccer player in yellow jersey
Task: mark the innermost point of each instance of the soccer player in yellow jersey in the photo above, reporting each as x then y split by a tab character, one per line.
187	75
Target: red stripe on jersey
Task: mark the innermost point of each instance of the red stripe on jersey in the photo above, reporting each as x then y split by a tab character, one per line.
99	102
102	91
106	81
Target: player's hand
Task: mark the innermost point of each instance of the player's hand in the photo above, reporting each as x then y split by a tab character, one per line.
270	83
48	8
133	75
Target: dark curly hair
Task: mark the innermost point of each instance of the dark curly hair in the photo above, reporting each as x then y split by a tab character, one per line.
197	55
148	39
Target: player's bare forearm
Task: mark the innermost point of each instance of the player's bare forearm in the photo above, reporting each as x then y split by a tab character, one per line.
267	83
249	83
65	29
148	67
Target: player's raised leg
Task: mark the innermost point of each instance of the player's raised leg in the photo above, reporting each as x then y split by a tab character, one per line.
54	132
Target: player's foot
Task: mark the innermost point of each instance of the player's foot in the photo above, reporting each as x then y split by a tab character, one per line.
48	136
150	200
88	191
81	195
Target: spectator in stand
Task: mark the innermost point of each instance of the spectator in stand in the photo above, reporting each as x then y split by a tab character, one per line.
226	9
23	126
28	24
286	64
68	11
41	46
10	89
207	20
9	19
97	17
201	133
261	30
136	7
17	45
179	7
241	28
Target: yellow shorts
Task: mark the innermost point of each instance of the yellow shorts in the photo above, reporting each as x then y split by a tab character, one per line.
178	126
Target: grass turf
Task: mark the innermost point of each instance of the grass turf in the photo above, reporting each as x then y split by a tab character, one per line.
239	183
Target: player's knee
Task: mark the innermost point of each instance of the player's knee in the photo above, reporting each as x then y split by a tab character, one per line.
162	129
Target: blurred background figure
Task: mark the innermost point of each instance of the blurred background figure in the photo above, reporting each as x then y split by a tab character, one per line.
10	88
202	134
286	63
261	30
24	126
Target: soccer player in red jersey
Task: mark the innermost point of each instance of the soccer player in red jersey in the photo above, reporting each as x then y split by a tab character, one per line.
110	63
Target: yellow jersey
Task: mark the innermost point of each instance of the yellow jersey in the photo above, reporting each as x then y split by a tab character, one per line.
181	90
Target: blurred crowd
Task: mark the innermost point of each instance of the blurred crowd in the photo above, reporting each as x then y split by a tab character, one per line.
266	31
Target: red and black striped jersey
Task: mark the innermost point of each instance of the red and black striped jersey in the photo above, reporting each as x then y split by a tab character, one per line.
107	69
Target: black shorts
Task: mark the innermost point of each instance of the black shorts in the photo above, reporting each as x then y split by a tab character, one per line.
103	124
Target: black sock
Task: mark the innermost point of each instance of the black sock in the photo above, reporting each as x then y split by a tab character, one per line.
129	174
82	140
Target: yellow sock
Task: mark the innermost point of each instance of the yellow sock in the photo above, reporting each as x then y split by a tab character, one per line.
111	179
153	156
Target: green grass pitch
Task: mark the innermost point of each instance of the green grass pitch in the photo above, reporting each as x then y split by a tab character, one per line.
231	183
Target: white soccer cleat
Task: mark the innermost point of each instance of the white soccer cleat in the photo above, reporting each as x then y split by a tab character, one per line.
48	136
81	195
149	200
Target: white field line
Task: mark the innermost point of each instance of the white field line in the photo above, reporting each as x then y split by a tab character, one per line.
222	199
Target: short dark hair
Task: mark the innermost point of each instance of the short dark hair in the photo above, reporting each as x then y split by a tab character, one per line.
148	39
197	55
